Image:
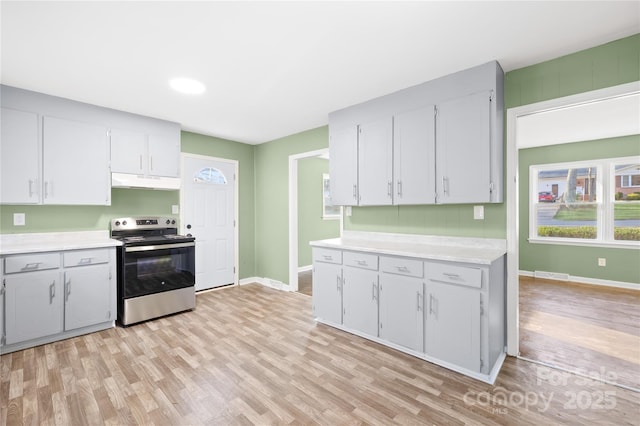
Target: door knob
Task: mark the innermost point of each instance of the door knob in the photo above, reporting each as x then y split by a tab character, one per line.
188	226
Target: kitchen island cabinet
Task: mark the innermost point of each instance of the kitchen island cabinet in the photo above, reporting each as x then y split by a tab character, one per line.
64	289
437	300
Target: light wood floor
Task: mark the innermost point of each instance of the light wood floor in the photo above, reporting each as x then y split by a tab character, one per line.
254	355
305	283
582	328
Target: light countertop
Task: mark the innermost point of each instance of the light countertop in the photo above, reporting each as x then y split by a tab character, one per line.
454	249
54	241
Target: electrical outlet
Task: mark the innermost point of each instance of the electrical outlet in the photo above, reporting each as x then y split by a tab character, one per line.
175	209
478	212
19	219
602	261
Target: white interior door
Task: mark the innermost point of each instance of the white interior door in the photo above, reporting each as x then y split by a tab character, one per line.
208	213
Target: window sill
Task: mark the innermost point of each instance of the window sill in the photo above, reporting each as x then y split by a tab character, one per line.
586	243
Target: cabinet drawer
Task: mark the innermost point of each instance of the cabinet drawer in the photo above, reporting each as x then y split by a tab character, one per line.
327	255
31	262
85	257
402	266
361	260
454	274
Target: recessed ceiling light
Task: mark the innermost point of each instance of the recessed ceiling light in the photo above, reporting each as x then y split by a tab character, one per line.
187	85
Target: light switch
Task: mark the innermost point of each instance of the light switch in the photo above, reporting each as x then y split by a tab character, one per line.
19	219
348	212
478	212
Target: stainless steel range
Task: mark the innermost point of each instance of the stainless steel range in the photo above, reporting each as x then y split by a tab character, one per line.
156	268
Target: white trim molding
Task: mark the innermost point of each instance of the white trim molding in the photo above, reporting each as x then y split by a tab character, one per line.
580	280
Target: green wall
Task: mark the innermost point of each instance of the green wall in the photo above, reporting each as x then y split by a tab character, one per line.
603	66
311	225
272	199
622	264
124	202
194	143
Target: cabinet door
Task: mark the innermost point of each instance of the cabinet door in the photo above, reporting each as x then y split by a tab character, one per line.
33	305
463	150
401	316
414	156
375	154
88	296
19	153
76	163
343	166
128	152
452	332
164	156
327	292
360	300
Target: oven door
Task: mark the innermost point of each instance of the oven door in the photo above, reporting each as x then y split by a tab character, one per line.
149	269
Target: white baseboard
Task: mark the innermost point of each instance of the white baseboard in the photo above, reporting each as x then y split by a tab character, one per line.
305	268
267	282
581	280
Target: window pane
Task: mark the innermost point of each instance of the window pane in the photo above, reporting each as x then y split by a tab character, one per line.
210	175
567	185
560	220
626	222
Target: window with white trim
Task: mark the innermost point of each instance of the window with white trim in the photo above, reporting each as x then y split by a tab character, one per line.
594	202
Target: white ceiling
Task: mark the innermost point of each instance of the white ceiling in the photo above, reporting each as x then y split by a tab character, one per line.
273	69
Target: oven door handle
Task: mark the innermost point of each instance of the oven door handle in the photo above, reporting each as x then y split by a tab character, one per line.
159	247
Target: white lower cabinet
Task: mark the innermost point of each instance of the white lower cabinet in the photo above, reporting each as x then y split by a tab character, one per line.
33	305
87	296
360	293
449	313
55	295
452	331
327	285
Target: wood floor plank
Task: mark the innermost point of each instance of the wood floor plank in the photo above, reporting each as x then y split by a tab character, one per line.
254	355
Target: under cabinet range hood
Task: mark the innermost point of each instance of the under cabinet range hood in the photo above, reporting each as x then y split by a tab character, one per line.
127	180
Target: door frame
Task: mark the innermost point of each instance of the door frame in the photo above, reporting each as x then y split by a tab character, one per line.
293	212
236	217
511	177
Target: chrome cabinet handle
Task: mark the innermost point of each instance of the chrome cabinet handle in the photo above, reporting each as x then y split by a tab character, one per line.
402	269
373	291
430	304
445	185
30	188
67	292
400	188
85	261
327	257
46	189
389	189
31	266
140	161
418	301
361	262
355	191
52	292
451	276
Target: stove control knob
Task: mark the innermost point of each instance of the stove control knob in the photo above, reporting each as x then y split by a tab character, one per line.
173	222
168	221
117	223
124	223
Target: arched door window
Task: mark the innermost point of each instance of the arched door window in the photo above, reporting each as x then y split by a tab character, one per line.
210	175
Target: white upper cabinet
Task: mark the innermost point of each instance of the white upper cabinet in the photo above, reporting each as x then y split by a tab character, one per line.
76	163
413	156
343	166
375	161
463	160
144	154
20	177
437	142
164	155
128	152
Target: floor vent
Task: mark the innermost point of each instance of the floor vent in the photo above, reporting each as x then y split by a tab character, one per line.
551	275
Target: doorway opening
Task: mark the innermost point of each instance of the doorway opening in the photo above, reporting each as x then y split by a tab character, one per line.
307	172
561	312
